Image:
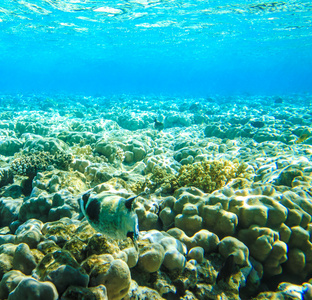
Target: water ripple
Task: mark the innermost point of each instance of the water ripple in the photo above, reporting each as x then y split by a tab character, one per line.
154	22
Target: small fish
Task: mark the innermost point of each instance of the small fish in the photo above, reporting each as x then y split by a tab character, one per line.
228	269
158	125
257	124
305	134
302	138
111	214
278	100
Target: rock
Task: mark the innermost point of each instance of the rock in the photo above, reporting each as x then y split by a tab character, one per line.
230	245
203	239
265	246
36	208
132	256
147	212
77	248
48	246
7	239
6	263
10	146
151	257
113	274
9	282
61	268
29	233
196	253
142	293
82	293
9	209
47	144
6	176
174	250
31	289
23	259
99	244
287	290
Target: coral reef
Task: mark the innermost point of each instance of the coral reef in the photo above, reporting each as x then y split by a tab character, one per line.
222	198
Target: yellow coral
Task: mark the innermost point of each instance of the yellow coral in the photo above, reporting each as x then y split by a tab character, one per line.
207	176
120	154
81	150
210	175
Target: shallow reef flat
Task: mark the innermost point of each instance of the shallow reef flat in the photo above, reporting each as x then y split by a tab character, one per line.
223	185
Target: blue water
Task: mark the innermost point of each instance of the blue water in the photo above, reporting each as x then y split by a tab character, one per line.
149	46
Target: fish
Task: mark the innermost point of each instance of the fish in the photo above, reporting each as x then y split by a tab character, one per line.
278	100
228	269
257	124
305	134
111	214
302	138
158	125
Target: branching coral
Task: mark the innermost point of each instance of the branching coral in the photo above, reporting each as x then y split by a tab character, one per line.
206	175
81	150
210	175
159	178
30	164
120	155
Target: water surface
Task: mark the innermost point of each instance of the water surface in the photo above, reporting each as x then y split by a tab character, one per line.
194	47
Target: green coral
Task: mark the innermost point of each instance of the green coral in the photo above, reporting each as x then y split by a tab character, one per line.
31	163
206	175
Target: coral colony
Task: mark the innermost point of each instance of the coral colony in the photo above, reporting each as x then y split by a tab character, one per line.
110	204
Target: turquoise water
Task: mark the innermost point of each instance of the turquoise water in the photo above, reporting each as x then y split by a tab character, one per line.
150	46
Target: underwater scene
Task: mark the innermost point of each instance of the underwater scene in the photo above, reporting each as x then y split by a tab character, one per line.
155	149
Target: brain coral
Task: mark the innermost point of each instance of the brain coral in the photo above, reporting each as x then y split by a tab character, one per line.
273	222
191	212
